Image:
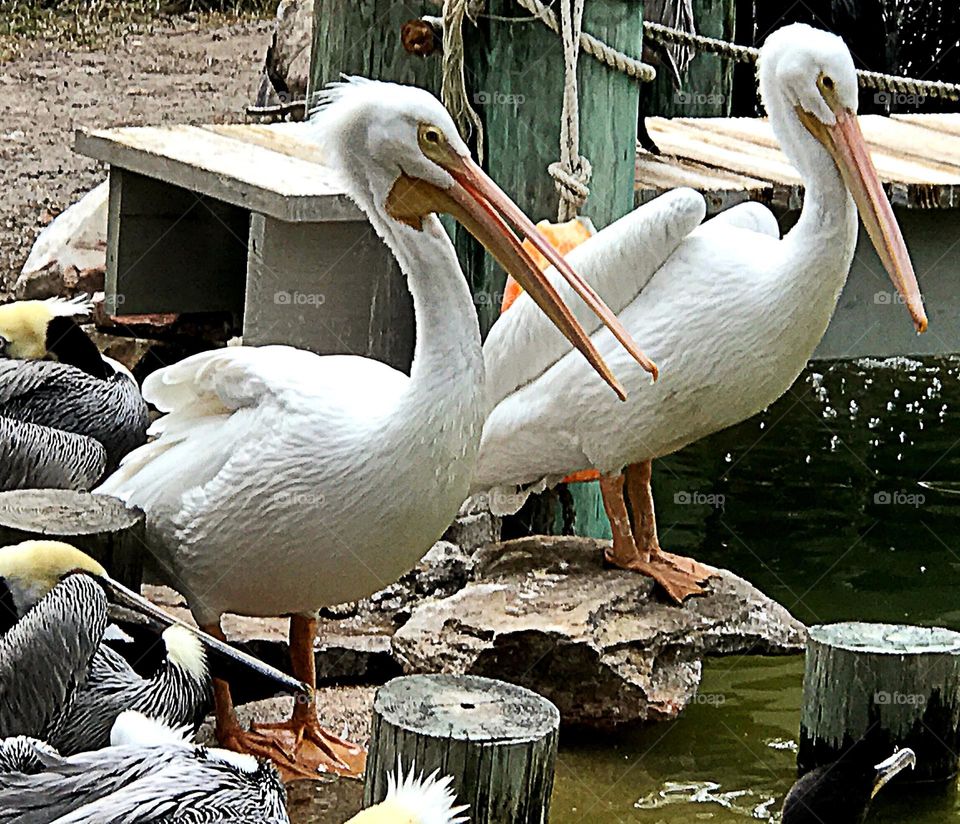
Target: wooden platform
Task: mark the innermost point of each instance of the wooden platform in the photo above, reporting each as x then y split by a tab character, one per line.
732	159
245	219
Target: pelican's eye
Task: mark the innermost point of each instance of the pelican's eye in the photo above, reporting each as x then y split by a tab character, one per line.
825	82
430	137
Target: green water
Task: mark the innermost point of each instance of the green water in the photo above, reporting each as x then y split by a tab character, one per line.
822	509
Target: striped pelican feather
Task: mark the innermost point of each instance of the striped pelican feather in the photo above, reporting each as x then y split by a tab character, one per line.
179	694
45	655
139	783
33	456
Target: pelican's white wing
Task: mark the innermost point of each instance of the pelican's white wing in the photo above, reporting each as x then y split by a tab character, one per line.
618	262
752	216
217	401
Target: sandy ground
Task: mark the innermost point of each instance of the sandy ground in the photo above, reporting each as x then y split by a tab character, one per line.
185	71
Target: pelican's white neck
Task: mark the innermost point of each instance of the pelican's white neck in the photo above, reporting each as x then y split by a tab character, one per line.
448	352
826	233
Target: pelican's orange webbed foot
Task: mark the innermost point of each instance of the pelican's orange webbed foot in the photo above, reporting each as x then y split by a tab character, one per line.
678	584
306	750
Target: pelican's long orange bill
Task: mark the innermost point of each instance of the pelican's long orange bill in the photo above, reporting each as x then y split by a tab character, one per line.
846	144
487	213
485	191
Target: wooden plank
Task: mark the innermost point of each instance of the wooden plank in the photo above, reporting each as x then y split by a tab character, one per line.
895	153
236	172
714	150
284	138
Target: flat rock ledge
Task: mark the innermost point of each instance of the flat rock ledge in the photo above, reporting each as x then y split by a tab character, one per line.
542	612
545	613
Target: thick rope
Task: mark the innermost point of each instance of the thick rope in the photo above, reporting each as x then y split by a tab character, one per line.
571	174
643	73
453	89
746	54
623	63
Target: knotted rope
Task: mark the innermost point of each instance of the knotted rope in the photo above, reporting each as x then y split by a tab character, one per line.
571	174
629	66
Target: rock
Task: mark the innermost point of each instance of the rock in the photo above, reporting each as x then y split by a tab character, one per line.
544	613
353	650
70	254
443	571
473	530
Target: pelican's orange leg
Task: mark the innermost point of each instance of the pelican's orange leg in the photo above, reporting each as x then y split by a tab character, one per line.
640	492
627	552
300	747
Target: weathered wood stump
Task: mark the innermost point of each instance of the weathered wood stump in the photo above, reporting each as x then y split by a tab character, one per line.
101	526
497	741
895	685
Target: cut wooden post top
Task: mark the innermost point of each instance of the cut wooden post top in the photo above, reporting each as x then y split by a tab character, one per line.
275	170
468	707
886	639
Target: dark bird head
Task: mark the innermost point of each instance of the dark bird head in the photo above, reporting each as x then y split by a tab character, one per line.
841	792
48	330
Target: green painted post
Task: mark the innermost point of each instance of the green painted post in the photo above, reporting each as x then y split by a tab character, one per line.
708	84
515	71
362	37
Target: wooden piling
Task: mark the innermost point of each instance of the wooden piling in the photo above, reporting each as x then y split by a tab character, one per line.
896	685
101	526
497	741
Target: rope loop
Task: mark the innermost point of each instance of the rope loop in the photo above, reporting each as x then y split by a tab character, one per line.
572	185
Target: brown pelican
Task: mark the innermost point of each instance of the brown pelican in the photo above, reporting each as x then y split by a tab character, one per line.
149	774
33	456
52	374
58	682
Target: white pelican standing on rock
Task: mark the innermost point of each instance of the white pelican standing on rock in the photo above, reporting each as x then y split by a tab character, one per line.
731	312
282	481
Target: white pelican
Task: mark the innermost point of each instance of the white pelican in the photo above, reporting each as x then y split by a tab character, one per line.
53	375
732	312
282	481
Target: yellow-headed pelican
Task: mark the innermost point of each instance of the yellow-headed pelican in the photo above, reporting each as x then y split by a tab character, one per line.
52	374
414	799
59	682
